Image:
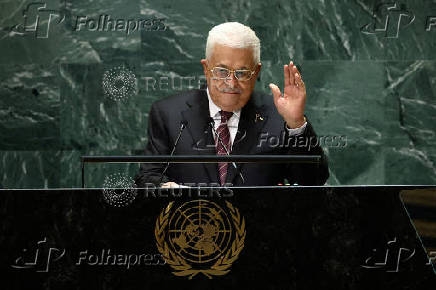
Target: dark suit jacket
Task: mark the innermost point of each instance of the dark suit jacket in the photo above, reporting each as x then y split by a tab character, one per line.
197	138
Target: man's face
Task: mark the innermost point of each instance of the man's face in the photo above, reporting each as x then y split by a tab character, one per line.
230	94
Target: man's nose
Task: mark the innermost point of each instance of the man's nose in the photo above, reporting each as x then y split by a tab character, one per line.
231	80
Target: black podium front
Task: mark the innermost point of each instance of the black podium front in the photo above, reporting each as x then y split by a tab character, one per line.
264	238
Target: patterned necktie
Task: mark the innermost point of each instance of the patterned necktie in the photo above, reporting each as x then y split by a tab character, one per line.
224	133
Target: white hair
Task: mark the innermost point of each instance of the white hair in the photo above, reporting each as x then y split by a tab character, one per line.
235	35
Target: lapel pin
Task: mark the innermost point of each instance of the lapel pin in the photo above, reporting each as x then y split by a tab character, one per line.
258	117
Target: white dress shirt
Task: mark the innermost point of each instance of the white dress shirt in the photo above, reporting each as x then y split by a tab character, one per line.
233	122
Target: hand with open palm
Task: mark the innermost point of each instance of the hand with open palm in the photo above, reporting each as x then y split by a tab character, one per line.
291	104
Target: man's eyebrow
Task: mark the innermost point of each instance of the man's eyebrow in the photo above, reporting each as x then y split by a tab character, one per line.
225	66
222	65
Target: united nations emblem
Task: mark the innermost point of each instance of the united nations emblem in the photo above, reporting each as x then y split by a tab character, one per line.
200	237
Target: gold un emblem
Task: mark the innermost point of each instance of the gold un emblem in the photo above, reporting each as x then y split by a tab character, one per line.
200	237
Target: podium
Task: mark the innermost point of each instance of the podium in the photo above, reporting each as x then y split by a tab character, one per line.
310	237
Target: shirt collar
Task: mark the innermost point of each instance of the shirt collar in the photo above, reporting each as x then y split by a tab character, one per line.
214	109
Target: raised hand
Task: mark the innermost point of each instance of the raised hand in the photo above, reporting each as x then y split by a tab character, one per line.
291	104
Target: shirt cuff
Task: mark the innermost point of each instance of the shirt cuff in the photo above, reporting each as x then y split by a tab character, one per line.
296	131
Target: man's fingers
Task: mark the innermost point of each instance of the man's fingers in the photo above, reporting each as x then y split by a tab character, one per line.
169	184
286	74
276	91
296	76
291	73
298	81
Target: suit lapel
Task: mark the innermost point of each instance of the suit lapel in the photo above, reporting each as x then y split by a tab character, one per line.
197	116
251	122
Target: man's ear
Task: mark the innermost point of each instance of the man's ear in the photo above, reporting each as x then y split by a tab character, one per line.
258	67
204	64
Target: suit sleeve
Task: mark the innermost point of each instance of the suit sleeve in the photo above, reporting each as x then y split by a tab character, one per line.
306	143
158	140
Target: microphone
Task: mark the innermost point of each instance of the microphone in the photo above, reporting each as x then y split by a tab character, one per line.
183	124
211	123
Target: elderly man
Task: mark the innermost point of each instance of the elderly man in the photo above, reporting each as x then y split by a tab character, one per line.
244	122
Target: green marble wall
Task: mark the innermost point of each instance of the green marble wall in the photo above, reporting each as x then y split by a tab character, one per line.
375	87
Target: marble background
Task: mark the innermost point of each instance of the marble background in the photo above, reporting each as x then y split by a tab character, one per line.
377	90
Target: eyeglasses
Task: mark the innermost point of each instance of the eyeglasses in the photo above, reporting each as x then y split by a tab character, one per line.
224	73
